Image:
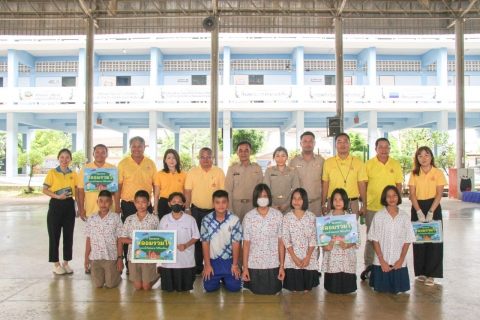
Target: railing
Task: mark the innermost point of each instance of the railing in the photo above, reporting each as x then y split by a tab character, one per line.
232	96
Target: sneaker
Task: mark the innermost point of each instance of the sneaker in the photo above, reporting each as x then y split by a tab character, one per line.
67	268
59	269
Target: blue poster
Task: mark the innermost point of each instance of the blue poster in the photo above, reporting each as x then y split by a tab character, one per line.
152	246
98	179
428	231
339	228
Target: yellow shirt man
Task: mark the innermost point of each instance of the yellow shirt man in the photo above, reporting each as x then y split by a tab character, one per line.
204	184
344	174
135	177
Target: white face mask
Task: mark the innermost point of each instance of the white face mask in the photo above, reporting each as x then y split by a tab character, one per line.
262	202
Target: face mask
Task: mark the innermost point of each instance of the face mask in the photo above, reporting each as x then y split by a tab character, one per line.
262	202
177	207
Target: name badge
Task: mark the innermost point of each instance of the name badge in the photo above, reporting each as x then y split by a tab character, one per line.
236	174
273	175
299	165
253	173
316	165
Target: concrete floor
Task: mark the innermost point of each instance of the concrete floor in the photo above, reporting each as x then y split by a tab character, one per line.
31	291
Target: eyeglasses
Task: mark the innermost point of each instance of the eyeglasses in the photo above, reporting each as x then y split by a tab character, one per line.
206	157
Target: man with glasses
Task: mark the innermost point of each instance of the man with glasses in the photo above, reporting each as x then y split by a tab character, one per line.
381	171
201	183
242	178
347	172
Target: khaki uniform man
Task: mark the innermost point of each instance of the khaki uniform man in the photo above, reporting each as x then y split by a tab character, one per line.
309	167
242	177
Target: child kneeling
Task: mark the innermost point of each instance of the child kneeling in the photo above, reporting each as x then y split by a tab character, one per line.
103	249
143	275
221	235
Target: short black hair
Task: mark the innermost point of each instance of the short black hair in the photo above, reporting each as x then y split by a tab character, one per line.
279	149
244	142
100	145
64	150
219	194
142	194
105	193
304	196
342	134
176	194
383	198
379	140
344	196
307	133
256	193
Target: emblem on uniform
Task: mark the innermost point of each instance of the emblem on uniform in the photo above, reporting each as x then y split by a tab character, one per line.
286	175
214	184
236	183
299	165
316	165
352	168
433	179
253	173
148	167
273	175
179	180
392	171
236	174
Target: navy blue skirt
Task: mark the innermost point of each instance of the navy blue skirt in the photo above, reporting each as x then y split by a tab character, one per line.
394	281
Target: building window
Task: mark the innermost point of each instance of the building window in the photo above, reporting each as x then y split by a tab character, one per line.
255	80
124	81
329	80
1	82
199	80
69	81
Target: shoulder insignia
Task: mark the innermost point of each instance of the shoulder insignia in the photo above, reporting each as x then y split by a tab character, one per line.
270	167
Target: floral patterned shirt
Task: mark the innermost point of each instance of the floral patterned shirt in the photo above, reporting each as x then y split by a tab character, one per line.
391	234
103	233
263	234
300	235
339	260
150	222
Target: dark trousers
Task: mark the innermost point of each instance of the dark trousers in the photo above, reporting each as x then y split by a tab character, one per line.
163	208
61	215
199	214
428	257
128	208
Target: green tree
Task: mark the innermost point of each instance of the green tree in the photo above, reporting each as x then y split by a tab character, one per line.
357	142
256	138
186	162
78	159
49	142
30	159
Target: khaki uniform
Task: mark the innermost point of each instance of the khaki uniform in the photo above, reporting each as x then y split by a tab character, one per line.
281	184
239	183
310	177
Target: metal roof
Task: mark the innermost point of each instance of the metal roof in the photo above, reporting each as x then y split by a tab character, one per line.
65	17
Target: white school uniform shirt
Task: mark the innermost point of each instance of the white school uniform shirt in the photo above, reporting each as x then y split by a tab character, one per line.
187	230
391	234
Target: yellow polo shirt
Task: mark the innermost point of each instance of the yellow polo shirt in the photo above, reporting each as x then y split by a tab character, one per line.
170	183
426	184
91	197
344	174
57	180
379	176
134	177
204	184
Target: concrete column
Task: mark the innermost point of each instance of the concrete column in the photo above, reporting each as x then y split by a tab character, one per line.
214	85
11	152
339	70
177	141
442	67
74	142
460	90
155	59
80	134
82	67
90	61
372	131
30	136
226	66
227	140
298	61
423	75
282	139
12	65
442	121
125	143
300	126
153	135
372	66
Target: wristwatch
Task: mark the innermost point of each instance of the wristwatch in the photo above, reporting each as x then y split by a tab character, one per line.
120	257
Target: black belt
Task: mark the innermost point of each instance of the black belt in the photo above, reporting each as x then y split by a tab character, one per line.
353	199
202	210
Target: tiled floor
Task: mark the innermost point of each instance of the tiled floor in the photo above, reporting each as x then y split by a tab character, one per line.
29	289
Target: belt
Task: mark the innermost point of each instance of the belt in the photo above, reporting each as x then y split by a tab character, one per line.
313	200
243	200
200	209
353	199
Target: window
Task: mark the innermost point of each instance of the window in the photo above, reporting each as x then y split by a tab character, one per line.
69	81
199	80
329	80
1	82
124	81
255	80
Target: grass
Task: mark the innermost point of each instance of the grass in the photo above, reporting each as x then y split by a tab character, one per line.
20	192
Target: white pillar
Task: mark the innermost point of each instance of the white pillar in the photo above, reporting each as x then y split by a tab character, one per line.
299	66
442	121
82	68
226	66
177	141
11	169
227	125
372	66
372	132
153	135
126	147
12	65
442	67
282	138
80	134
300	126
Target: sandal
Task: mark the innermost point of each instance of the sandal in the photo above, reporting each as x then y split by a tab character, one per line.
429	282
421	278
